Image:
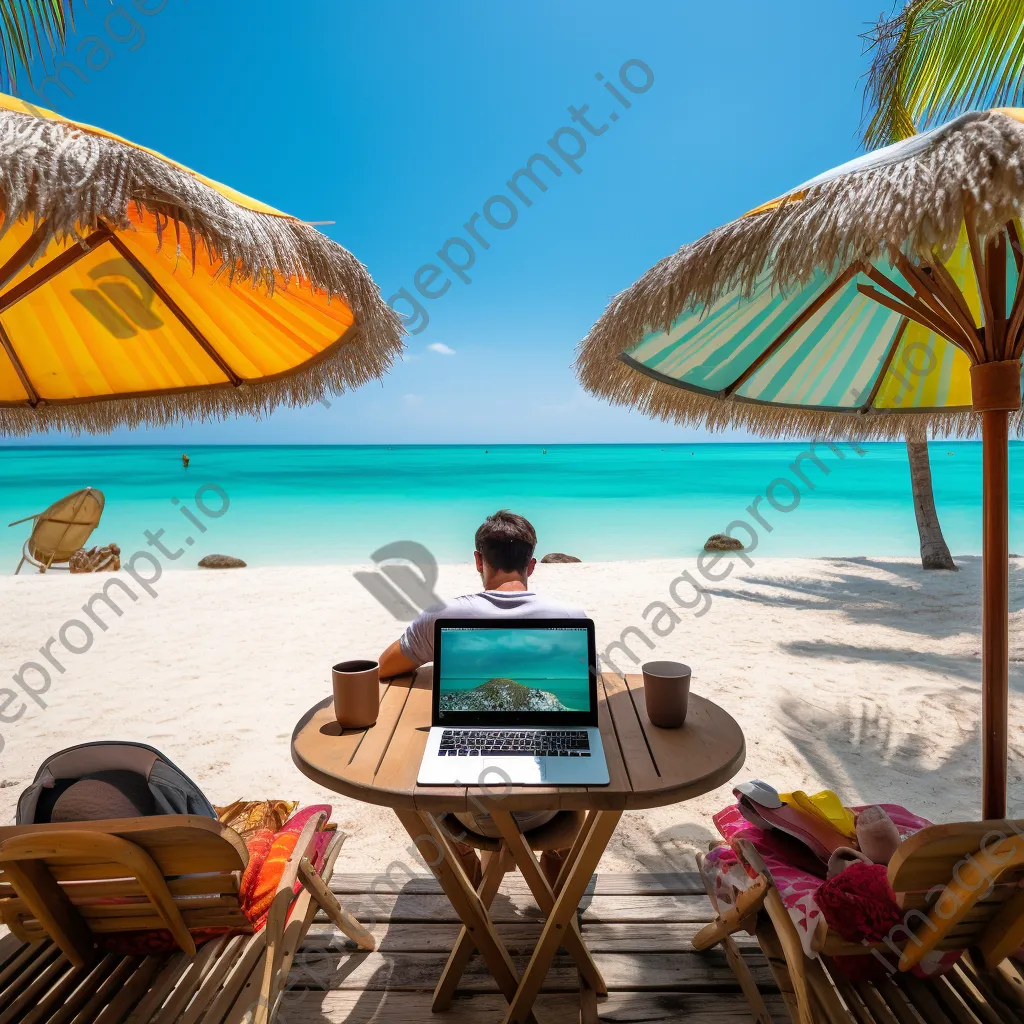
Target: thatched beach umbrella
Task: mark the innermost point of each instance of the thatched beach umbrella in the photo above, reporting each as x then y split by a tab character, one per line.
133	290
882	296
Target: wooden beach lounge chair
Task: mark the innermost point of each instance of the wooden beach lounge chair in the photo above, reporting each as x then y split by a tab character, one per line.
64	888
61	530
961	887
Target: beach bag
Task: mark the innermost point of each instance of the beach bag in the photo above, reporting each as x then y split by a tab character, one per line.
172	790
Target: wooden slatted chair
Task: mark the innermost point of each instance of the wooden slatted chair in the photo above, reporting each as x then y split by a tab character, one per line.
64	885
961	887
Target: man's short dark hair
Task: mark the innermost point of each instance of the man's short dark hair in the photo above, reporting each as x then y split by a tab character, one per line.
506	541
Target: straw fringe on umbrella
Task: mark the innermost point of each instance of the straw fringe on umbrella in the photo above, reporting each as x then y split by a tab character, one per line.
66	189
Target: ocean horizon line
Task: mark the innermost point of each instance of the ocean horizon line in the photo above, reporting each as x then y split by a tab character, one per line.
759	442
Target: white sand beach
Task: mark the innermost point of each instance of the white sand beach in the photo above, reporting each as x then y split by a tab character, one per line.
861	675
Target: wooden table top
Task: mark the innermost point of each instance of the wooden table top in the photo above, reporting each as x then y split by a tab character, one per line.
648	766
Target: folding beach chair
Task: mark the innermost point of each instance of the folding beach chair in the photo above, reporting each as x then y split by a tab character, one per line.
61	530
961	887
63	887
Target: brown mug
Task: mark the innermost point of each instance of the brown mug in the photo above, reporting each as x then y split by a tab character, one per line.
356	693
667	692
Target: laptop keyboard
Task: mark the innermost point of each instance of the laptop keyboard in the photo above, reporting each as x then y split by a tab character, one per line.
513	742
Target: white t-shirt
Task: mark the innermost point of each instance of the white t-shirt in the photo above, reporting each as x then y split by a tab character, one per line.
417	642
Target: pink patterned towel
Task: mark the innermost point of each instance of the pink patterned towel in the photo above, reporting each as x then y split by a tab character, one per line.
795	871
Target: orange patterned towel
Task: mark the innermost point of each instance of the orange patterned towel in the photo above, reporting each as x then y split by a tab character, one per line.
268	856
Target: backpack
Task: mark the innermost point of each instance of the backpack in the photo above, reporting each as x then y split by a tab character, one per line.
173	791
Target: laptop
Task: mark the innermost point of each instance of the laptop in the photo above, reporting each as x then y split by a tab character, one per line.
514	701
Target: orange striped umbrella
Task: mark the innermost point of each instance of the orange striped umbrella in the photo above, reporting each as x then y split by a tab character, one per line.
133	290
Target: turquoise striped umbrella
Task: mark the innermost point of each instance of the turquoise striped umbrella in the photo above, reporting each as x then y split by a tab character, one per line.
880	298
824	347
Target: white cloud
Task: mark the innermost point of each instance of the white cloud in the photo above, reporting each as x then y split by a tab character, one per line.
412	401
441	349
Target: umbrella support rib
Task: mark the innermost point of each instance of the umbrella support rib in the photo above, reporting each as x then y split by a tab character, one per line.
25	252
917	312
1014	242
980	274
894	345
925	307
1016	321
802	317
51	269
942	281
948	302
995	270
178	312
19	368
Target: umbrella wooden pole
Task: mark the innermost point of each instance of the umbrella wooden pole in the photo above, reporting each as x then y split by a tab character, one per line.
995	650
995	388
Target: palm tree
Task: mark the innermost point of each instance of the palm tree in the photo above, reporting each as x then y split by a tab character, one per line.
934	59
30	30
937	58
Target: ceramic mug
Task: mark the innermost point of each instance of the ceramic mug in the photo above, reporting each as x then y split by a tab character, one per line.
356	693
667	692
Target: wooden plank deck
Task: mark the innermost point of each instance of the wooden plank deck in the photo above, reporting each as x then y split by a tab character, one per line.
637	926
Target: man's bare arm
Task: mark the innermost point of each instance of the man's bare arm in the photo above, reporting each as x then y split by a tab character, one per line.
394	663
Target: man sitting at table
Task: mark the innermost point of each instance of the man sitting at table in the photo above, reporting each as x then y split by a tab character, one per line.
504	547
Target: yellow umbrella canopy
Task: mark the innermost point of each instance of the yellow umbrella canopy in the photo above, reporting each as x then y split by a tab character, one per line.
882	297
133	290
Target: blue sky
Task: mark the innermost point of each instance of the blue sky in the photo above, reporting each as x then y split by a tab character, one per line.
398	120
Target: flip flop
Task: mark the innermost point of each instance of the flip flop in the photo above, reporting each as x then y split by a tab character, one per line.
758	791
820	838
823	840
826	806
748	809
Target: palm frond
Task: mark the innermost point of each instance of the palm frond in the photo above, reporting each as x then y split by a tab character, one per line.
940	57
30	31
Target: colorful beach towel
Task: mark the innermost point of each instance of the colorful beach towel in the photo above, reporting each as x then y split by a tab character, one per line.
269	849
795	872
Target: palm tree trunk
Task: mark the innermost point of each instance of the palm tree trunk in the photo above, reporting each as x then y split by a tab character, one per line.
934	552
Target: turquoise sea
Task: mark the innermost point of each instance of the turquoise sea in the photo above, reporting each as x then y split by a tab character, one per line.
338	504
573	692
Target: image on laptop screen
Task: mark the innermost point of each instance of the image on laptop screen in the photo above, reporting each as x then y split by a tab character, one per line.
514	670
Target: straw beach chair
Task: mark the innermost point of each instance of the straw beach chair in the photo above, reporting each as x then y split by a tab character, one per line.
960	888
61	530
64	887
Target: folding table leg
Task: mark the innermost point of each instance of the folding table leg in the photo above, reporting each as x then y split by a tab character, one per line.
530	868
574	851
573	884
588	1005
435	849
494	872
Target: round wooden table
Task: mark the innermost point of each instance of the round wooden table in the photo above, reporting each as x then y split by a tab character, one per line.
648	767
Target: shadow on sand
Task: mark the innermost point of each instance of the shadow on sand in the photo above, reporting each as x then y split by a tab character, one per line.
912	599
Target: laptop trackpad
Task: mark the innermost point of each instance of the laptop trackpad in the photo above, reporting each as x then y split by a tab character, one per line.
520	771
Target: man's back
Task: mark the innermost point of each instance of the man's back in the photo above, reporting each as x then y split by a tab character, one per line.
418	641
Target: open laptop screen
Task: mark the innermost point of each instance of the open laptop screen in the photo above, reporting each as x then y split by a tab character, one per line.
531	672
